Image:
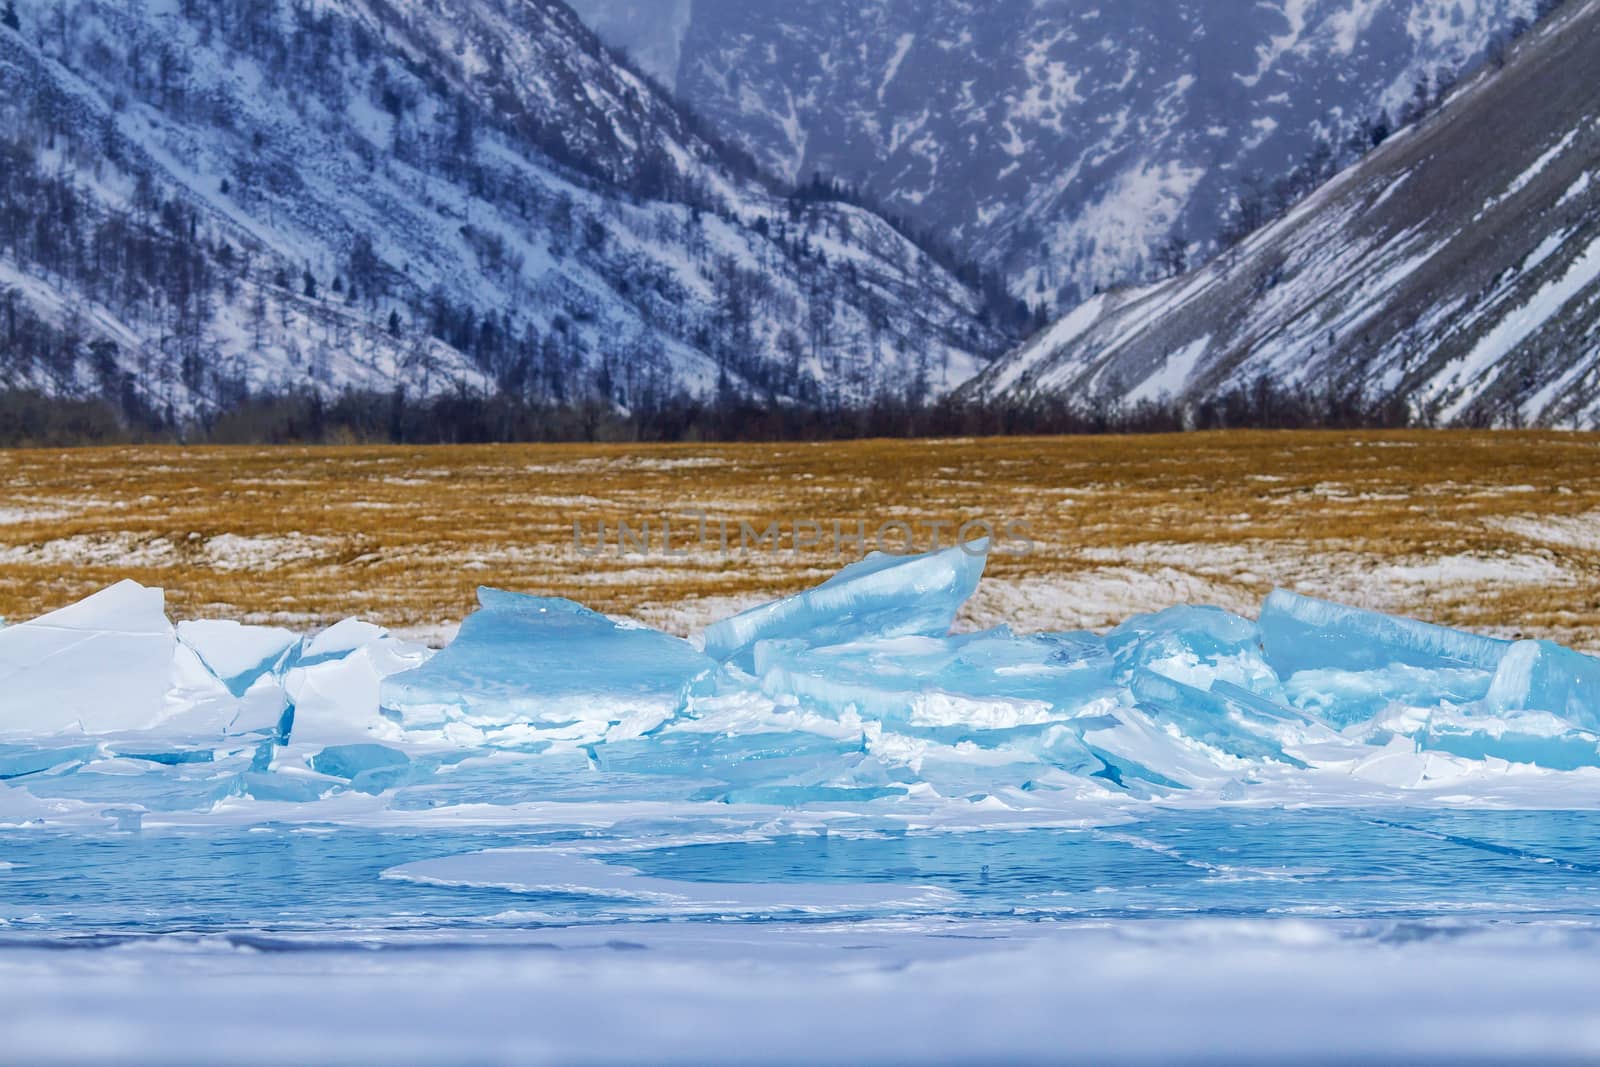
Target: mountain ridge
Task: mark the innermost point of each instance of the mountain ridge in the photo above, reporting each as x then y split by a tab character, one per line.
204	202
1461	281
1070	146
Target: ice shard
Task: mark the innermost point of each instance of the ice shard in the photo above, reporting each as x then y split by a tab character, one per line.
1542	676
881	596
99	665
1532	737
334	686
523	667
971	682
239	655
1196	646
1300	633
1227	718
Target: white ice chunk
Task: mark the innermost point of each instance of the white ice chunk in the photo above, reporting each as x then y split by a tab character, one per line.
336	699
199	706
341	639
100	665
238	654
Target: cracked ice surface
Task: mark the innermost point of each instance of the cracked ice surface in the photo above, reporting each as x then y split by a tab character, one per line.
838	755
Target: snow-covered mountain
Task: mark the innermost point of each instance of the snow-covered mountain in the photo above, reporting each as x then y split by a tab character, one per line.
1071	144
1456	269
199	200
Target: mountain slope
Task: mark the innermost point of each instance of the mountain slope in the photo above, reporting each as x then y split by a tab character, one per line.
1072	145
1456	268
204	200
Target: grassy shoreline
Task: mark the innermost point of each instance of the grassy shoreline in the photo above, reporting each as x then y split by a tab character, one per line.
1493	530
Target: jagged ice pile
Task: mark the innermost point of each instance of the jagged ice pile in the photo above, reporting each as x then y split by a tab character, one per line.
854	692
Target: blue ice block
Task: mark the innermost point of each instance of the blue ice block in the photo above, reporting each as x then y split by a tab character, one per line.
1300	633
368	768
1345	697
972	682
881	596
1544	676
349	761
1196	646
1228	718
546	663
1533	737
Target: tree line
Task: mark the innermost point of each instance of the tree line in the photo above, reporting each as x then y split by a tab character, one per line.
201	302
467	417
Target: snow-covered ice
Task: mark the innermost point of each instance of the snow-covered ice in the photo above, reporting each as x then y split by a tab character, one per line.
101	664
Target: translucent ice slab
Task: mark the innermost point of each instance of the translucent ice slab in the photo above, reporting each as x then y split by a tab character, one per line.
973	682
1346	697
1532	737
1227	718
368	768
881	596
1300	633
525	668
1542	676
1196	646
569	872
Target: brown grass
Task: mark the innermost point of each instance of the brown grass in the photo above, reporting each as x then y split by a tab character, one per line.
1495	531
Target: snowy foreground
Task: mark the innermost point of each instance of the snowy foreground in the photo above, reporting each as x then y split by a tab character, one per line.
1192	992
828	829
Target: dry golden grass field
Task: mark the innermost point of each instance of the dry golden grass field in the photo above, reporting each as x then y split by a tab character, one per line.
1494	531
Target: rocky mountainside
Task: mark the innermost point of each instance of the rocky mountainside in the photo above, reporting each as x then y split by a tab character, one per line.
1456	270
201	201
1070	144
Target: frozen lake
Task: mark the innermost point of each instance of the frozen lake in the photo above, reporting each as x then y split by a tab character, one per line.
1223	935
830	829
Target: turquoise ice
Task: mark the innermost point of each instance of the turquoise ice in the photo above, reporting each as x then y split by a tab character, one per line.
853	692
526	666
1302	633
968	683
1543	676
881	596
1195	645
